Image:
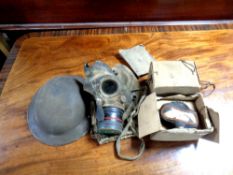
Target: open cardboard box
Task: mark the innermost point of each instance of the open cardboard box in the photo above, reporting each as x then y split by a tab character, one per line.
166	85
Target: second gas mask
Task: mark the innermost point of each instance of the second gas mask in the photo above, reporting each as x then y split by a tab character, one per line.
113	89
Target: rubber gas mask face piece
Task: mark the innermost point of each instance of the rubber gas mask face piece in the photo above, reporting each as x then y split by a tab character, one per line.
112	90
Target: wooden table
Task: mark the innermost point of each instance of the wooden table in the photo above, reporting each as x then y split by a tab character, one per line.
39	57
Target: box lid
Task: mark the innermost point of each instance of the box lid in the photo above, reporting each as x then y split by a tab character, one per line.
174	77
214	117
138	58
148	116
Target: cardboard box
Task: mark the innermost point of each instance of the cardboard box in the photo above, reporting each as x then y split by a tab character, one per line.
174	77
149	122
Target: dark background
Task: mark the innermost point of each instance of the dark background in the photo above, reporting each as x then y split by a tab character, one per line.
72	11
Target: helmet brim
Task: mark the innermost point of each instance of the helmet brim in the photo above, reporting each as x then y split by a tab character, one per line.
54	139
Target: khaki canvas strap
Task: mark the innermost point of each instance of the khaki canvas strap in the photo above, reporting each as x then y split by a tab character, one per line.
130	123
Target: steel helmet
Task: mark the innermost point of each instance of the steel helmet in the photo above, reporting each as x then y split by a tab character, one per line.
57	113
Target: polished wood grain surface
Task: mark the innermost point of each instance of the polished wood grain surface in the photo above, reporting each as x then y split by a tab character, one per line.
41	58
108	30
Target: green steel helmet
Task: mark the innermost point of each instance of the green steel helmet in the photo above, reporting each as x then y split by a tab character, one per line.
57	113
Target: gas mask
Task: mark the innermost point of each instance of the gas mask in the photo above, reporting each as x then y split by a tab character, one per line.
113	89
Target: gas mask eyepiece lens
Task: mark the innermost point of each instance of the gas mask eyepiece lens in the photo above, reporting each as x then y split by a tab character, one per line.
109	86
